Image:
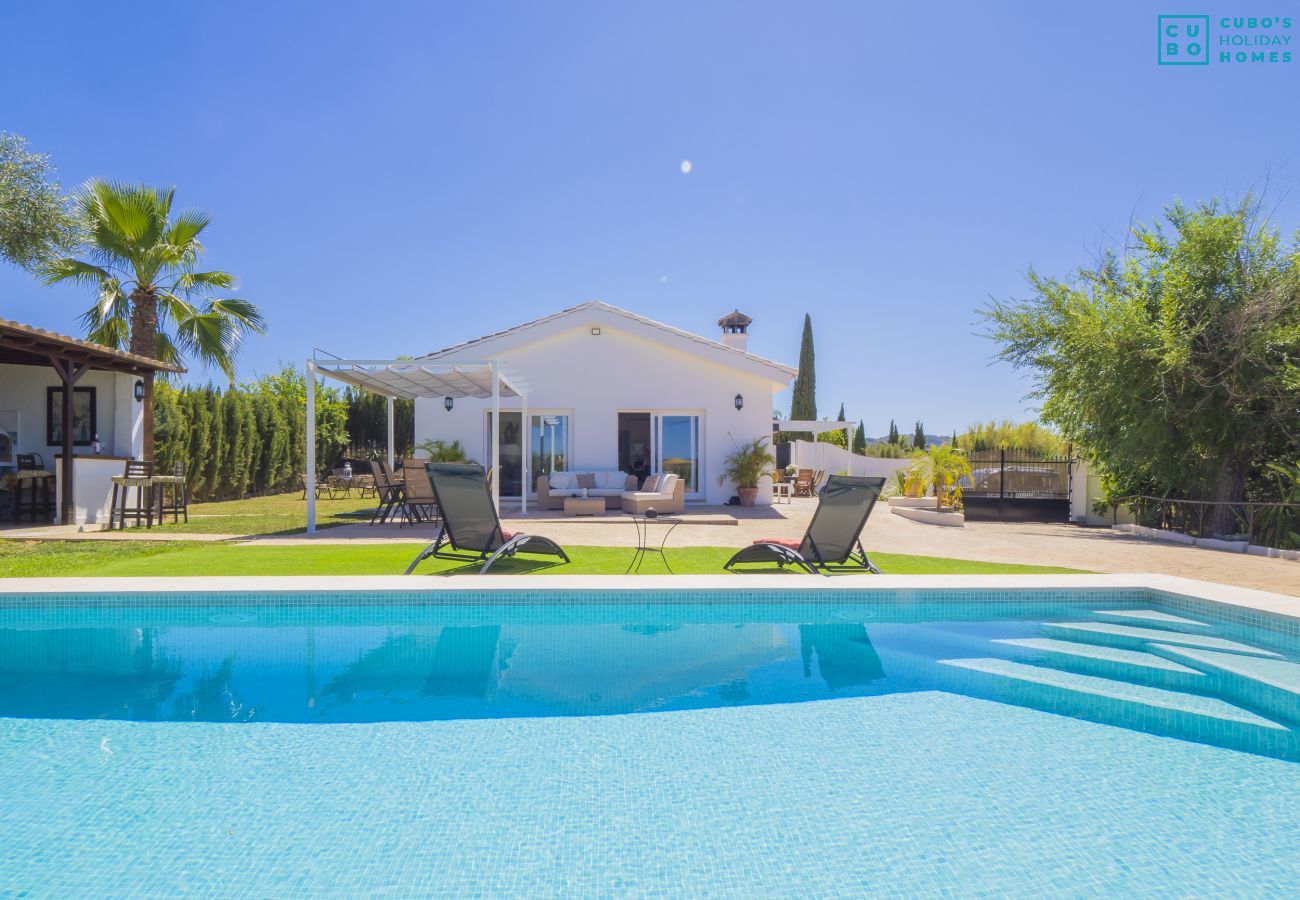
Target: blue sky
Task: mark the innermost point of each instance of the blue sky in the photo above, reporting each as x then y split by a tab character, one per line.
392	178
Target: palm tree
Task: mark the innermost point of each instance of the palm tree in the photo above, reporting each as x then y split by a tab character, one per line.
940	466
151	300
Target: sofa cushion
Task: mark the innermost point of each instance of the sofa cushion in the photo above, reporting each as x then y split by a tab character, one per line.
668	484
643	495
651	484
586	480
563	481
608	480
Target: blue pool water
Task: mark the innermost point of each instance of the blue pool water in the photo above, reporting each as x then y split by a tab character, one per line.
919	742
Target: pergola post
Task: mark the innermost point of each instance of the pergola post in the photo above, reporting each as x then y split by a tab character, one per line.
525	443
69	374
495	438
311	447
390	432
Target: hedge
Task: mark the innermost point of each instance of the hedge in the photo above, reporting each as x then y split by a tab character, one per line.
251	439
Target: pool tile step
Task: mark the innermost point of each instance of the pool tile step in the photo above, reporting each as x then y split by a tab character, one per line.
1207	709
1110	662
1153	617
1134	637
1099	652
1270	684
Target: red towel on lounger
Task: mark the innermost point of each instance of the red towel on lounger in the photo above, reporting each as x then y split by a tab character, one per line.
784	542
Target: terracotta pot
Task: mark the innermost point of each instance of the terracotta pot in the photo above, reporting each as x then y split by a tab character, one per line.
747	495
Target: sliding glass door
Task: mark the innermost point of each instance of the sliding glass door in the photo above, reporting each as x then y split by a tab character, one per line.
661	442
678	448
550	447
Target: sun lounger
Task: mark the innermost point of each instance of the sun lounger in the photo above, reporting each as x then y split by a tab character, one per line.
831	542
471	531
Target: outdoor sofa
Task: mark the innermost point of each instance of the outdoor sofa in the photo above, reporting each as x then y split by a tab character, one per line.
553	489
665	493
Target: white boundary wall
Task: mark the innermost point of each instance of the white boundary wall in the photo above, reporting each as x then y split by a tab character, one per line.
833	459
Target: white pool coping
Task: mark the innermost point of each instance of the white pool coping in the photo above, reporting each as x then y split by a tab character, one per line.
1228	595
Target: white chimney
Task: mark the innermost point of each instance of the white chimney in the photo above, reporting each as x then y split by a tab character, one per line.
735	329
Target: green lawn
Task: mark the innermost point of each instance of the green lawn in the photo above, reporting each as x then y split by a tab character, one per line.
274	514
179	558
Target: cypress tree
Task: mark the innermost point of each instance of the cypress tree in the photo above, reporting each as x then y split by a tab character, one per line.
893	432
803	402
213	462
840	417
918	437
860	439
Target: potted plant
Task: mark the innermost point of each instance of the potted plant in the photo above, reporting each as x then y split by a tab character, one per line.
744	467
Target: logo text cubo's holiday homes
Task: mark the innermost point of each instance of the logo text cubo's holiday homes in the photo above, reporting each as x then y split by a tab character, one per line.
1196	40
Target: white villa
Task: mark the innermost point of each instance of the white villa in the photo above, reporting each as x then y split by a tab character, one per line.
611	391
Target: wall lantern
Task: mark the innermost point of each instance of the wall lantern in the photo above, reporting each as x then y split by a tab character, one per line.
740	402
139	392
596	332
447	403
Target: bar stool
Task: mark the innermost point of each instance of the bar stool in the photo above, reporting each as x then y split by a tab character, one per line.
138	475
32	472
178	503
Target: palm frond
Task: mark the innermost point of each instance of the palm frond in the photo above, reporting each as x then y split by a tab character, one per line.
242	311
185	228
74	270
167	351
113	331
174	307
189	281
212	337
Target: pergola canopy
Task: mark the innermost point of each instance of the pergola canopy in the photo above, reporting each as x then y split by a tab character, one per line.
410	379
816	427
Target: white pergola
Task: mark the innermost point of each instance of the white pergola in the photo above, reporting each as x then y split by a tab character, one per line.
816	427
411	379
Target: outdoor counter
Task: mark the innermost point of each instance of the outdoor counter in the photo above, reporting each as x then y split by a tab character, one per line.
92	487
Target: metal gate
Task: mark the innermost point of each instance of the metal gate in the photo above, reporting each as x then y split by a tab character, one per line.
1008	486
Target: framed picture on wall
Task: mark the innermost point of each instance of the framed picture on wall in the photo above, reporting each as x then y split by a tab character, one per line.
83	416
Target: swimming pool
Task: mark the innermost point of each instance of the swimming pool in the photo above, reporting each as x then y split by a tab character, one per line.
555	742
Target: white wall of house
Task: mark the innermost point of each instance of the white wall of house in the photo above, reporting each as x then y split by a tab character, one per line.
119	418
591	378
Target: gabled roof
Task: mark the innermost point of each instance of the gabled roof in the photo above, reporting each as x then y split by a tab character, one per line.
27	345
499	343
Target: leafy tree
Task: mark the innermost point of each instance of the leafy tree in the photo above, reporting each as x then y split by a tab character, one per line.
803	402
839	438
1176	367
860	439
918	436
150	299
35	223
1028	437
886	450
